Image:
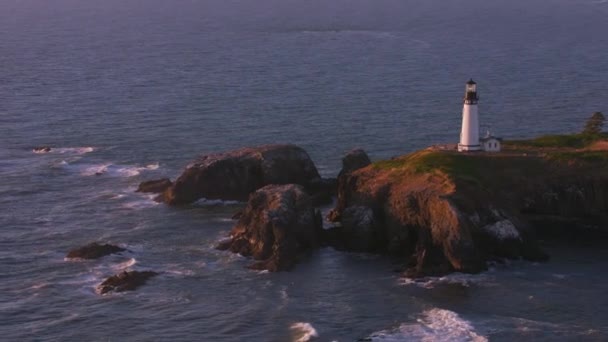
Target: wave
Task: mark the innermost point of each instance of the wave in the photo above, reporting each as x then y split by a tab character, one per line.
148	202
453	278
106	169
303	332
215	202
124	265
116	170
433	325
63	150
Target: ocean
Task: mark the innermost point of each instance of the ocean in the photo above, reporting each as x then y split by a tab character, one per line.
131	90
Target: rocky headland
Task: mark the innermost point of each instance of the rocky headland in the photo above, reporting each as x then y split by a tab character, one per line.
439	210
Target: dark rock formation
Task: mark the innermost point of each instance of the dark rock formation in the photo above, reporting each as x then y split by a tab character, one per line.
354	160
236	174
154	186
93	251
322	190
277	227
125	281
444	222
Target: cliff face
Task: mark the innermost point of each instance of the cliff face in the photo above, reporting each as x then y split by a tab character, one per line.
454	212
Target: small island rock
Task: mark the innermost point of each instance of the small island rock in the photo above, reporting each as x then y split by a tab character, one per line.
125	281
277	227
94	251
236	174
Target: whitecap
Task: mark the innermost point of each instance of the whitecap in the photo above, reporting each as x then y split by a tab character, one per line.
433	325
140	204
113	170
303	331
73	150
65	150
453	278
124	265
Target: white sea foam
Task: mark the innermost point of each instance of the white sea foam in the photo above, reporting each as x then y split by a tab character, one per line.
113	170
147	202
453	278
303	332
503	230
66	150
124	265
433	325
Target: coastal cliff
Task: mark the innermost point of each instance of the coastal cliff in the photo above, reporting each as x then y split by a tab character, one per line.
441	210
449	211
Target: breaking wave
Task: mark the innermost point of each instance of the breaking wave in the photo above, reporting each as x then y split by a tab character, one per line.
64	150
433	325
452	278
303	332
106	169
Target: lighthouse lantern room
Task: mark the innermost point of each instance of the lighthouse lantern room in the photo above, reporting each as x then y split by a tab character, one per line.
469	135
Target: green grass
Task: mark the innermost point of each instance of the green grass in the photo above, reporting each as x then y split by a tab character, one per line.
586	156
559	140
453	164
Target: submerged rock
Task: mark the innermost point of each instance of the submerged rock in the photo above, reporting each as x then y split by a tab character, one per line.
125	281
277	227
236	174
41	149
94	251
154	186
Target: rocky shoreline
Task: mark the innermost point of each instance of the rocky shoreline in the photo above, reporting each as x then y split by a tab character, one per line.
438	210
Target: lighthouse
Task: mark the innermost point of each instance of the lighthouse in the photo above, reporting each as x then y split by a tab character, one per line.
469	135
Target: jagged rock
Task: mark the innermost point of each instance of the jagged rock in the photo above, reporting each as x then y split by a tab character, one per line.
41	149
125	281
358	232
236	174
322	190
154	186
93	251
354	160
277	227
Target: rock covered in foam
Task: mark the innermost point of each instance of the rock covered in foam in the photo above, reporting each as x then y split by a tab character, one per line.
41	149
125	281
277	227
235	174
94	251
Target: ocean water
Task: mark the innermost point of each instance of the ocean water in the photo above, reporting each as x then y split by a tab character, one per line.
132	90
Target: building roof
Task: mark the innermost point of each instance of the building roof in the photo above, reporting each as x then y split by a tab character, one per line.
490	137
471	81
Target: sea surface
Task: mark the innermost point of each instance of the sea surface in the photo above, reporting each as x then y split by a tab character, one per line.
129	90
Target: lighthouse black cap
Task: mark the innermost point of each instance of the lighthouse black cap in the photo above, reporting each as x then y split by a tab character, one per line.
470	95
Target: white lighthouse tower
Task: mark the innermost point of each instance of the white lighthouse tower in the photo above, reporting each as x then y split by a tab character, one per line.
469	135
